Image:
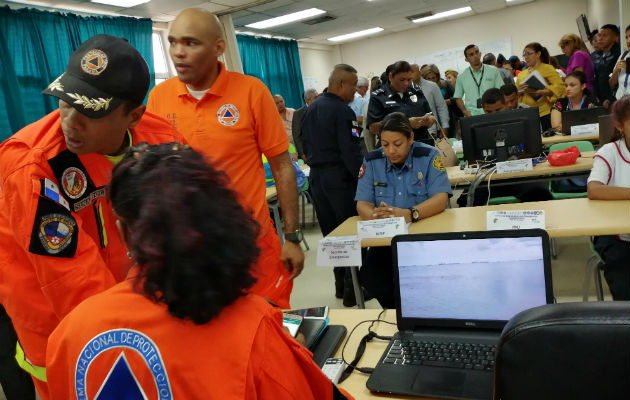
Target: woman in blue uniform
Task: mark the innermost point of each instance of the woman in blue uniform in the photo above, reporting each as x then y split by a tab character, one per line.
401	179
400	94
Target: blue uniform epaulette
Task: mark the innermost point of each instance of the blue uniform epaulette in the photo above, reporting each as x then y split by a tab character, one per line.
378	91
421	151
374	155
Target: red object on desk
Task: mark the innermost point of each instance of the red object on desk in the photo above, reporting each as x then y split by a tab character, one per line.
566	156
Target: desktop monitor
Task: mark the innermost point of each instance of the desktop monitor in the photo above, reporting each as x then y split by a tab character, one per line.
502	136
583	28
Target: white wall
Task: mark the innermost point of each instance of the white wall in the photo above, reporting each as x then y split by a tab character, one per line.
317	62
602	12
543	21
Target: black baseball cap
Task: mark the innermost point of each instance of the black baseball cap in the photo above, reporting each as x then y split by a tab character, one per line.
104	72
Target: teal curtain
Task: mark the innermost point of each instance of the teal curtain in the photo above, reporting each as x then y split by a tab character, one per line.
34	50
276	62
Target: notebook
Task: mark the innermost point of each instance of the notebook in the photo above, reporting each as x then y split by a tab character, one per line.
459	289
581	117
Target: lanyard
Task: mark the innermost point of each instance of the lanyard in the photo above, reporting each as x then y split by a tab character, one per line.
625	82
483	69
581	103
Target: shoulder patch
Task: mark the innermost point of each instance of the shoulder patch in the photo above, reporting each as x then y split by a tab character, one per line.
421	151
362	171
55	231
51	190
74	180
374	155
438	164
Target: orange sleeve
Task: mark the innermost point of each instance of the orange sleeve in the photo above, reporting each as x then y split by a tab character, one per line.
270	134
69	276
152	105
281	368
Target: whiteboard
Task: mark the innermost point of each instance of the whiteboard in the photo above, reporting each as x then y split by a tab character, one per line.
454	58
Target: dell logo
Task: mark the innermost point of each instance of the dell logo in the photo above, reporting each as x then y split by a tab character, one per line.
467	323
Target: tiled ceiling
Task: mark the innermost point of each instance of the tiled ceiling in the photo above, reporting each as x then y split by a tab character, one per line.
349	15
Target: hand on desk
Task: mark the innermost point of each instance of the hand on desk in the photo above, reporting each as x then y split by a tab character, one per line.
293	259
386	211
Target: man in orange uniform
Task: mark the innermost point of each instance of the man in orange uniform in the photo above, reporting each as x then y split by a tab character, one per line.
233	119
60	241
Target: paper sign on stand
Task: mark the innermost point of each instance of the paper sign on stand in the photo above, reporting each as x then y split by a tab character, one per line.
515	219
588	129
382	228
339	251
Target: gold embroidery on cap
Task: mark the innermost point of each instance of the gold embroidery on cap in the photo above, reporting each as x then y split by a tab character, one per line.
95	104
94	62
56	85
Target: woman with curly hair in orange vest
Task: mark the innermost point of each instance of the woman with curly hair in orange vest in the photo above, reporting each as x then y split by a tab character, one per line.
182	326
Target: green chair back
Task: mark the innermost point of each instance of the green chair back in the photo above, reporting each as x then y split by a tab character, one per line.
582	145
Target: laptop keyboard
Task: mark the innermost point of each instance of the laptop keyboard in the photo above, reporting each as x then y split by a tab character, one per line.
441	354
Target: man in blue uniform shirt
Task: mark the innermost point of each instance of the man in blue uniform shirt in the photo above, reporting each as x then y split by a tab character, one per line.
332	146
399	94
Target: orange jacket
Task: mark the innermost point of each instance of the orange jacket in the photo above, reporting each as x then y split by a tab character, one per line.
60	242
120	342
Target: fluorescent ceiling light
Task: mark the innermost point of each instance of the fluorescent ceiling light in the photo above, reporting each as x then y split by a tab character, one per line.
121	3
444	14
355	34
285	19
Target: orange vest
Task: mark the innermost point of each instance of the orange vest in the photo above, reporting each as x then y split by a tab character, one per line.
121	343
60	242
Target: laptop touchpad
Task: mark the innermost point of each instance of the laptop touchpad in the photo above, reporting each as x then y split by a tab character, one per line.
439	382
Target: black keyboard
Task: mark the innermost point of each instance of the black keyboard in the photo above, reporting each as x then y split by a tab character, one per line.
441	354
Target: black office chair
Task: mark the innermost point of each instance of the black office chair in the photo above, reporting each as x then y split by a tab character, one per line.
566	351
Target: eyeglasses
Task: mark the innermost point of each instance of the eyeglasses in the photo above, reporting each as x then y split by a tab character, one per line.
528	54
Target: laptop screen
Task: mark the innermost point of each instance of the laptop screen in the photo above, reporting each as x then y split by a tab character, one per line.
488	279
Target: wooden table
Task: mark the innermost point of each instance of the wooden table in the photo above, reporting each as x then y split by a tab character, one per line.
272	193
563	218
559	138
583	165
547	141
355	384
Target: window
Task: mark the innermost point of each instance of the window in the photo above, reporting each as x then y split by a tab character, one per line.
160	61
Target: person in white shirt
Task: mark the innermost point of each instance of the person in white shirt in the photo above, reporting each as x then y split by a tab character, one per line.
610	180
620	76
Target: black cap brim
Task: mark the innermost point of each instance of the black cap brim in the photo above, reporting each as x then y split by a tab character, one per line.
86	99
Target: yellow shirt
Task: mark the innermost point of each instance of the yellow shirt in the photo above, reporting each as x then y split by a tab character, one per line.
554	83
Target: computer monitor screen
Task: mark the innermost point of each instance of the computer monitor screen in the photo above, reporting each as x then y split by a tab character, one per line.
583	27
502	136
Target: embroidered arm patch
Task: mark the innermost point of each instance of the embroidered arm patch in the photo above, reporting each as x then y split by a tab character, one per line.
55	231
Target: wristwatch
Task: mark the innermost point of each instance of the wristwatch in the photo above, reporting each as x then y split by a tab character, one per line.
415	214
295	237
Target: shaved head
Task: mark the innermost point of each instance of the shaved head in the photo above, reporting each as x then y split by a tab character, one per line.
196	42
201	19
343	82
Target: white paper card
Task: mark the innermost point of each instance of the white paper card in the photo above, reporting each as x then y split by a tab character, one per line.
382	228
339	251
515	219
588	129
507	167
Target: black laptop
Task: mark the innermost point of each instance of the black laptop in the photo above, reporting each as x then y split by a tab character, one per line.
456	291
581	117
